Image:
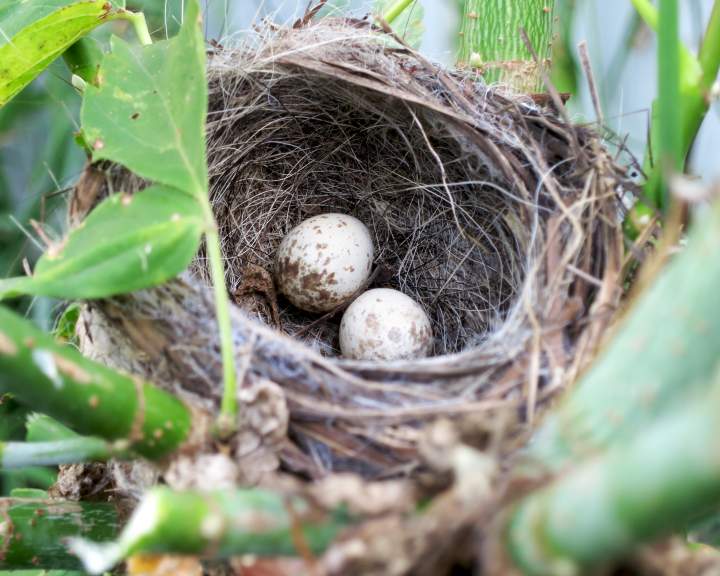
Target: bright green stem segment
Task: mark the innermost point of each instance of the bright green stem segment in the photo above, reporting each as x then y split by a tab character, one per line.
229	408
33	532
71	450
86	396
639	490
491	42
222	524
696	77
666	347
669	103
137	19
396	9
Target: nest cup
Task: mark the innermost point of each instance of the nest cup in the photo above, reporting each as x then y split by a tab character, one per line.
485	206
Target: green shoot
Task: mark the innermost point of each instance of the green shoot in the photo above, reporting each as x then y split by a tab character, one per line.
669	102
396	9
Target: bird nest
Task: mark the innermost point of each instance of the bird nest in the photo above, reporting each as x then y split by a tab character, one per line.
489	208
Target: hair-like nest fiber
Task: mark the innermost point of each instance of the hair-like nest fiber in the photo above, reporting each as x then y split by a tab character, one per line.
487	207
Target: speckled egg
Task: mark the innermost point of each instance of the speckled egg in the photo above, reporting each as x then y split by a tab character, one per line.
323	261
384	324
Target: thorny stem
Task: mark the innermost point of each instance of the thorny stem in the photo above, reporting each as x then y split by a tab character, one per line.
491	42
396	9
217	523
639	489
86	396
681	357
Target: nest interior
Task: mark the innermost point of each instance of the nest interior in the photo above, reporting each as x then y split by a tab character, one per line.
287	143
487	207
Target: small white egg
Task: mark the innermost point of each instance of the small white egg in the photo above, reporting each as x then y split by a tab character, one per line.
323	261
384	324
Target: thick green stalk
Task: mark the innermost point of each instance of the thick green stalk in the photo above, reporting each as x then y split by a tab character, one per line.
33	531
490	40
667	346
650	486
88	397
71	450
220	524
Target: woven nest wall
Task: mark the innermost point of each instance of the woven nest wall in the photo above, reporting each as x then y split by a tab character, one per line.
487	207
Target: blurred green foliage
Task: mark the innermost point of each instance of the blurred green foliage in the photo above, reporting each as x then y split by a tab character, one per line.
38	161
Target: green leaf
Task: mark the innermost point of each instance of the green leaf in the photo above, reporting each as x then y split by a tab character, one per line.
18	14
127	243
149	111
34	35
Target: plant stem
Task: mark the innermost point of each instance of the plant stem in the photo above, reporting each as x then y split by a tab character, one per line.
667	345
710	50
42	428
648	487
137	19
223	524
671	154
69	451
84	58
227	421
396	9
33	531
647	12
86	396
696	77
490	40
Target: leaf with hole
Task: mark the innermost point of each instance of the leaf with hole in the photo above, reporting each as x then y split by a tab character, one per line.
149	111
127	243
33	34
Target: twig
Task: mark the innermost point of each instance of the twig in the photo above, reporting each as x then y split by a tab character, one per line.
592	86
554	94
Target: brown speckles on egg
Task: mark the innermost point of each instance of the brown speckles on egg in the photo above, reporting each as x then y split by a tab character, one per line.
319	274
384	324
